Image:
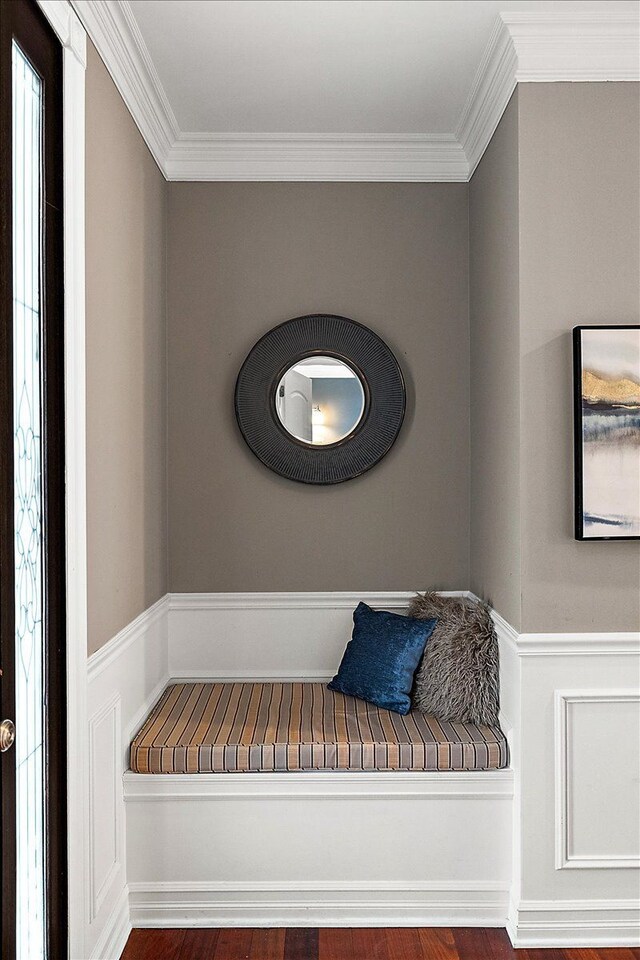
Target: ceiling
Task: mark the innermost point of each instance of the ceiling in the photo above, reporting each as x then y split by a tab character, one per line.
323	66
344	89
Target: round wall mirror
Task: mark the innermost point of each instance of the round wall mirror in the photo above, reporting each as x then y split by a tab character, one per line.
320	399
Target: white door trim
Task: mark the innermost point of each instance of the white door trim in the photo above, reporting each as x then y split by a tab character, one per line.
72	36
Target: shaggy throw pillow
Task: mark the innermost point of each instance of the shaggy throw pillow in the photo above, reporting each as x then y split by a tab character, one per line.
457	678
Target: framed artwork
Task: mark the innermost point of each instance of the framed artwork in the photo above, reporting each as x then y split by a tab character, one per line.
607	432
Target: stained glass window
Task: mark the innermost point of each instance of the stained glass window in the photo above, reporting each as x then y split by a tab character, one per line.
27	379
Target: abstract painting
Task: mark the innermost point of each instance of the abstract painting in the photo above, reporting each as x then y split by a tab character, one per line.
607	432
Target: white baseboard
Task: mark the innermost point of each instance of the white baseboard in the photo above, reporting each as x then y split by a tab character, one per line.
300	904
575	923
115	931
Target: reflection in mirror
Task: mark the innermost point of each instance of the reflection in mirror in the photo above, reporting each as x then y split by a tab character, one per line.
320	400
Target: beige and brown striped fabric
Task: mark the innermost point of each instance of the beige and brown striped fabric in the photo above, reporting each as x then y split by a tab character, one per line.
273	727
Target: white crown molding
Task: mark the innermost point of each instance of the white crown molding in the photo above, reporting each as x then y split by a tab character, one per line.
490	92
274	156
544	46
117	38
524	47
580	46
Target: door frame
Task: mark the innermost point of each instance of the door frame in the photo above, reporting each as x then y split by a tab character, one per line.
72	36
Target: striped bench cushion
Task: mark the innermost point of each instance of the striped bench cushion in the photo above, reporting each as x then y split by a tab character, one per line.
277	727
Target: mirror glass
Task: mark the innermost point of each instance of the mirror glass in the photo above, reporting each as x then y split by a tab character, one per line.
320	400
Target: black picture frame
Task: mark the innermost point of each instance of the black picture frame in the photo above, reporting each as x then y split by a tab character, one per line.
578	431
342	339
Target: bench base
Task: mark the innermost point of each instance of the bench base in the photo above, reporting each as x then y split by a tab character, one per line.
350	849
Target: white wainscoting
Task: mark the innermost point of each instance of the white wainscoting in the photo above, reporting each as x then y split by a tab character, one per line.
124	679
553	872
584	723
105	844
284	636
341	849
574	701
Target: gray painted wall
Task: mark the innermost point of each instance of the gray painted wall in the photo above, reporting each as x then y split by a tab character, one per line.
126	364
554	240
495	371
579	260
243	257
554	237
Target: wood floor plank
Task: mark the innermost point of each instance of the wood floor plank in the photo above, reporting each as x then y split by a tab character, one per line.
438	944
334	943
369	944
306	943
267	944
199	944
301	943
233	944
477	943
403	943
500	944
617	953
153	944
583	953
541	953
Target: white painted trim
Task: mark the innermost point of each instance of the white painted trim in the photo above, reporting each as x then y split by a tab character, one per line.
105	657
578	644
115	932
98	890
143	712
523	47
319	785
490	92
334	156
544	46
116	36
575	45
298	600
574	923
388	903
564	859
72	36
299	886
250	676
566	644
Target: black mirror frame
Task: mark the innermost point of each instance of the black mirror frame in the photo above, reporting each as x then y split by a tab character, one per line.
320	335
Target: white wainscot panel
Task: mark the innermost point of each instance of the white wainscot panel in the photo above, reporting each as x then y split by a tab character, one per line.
597	736
319	849
285	636
105	854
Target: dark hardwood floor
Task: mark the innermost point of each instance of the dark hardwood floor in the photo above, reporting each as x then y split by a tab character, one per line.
468	943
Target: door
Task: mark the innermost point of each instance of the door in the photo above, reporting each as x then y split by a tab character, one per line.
297	405
32	548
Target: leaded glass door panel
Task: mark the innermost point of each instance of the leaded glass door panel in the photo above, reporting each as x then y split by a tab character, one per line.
32	594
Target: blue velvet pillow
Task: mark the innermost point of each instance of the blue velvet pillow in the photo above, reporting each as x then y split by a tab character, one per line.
381	658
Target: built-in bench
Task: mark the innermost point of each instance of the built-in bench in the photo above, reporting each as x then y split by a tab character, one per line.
279	727
353	815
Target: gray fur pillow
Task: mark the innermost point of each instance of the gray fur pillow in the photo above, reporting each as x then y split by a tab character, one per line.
457	678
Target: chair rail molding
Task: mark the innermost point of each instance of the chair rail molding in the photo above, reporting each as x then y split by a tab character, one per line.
538	46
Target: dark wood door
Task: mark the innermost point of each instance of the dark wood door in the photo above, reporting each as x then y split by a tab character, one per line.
32	497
